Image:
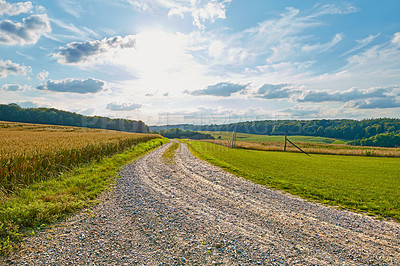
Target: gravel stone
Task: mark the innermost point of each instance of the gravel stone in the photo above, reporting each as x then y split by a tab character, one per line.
193	213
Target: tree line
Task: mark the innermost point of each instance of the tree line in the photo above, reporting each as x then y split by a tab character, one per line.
184	134
14	113
383	132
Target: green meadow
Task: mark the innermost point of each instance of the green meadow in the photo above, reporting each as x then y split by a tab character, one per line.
361	184
225	135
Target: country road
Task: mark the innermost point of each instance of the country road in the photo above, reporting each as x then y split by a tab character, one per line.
193	213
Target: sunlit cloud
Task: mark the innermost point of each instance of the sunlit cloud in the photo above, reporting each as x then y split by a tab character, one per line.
201	11
42	75
362	43
81	86
90	51
10	68
15	9
123	106
27	32
223	89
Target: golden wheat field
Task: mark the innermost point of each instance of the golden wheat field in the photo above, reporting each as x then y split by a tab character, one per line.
32	152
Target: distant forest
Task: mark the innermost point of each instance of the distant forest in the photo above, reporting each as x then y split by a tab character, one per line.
383	132
184	134
14	113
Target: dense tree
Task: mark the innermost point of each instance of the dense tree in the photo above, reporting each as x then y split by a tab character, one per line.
14	113
184	134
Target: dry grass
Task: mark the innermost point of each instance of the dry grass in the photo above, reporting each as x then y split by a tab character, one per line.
315	148
31	152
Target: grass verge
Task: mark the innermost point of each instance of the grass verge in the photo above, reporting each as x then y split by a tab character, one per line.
44	202
168	155
362	184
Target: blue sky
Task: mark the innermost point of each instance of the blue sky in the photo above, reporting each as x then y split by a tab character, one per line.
197	61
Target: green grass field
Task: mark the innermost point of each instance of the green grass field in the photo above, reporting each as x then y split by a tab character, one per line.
362	184
264	138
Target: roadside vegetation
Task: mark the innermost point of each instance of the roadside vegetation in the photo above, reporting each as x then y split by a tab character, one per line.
47	172
361	184
168	155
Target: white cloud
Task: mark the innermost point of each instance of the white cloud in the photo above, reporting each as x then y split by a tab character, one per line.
27	32
275	91
299	112
362	43
89	51
201	11
79	33
72	7
396	39
42	75
224	89
320	48
9	68
376	66
123	106
81	86
15	9
12	87
29	104
345	96
378	103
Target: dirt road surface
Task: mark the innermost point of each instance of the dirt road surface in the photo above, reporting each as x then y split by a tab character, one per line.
192	213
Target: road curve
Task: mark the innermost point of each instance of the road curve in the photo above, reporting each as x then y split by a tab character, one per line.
193	213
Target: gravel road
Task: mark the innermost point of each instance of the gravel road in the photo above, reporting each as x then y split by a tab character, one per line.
196	214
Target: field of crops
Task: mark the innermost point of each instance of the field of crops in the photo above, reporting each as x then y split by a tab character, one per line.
365	184
264	138
31	152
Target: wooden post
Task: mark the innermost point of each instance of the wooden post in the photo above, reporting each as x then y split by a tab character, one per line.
284	149
233	140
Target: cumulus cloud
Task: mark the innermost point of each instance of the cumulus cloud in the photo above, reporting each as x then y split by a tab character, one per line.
12	87
15	9
224	89
81	86
123	106
9	68
78	52
271	91
376	103
396	39
27	32
338	96
42	75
